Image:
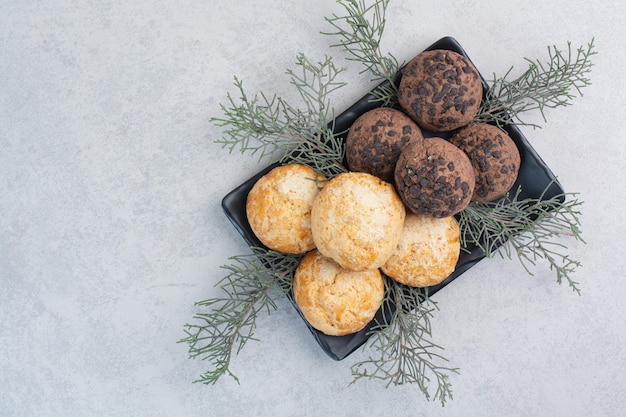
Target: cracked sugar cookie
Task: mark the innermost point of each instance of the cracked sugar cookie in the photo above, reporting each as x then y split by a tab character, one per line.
279	208
335	300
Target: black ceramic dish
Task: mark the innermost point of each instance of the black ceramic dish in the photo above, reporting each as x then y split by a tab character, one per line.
534	177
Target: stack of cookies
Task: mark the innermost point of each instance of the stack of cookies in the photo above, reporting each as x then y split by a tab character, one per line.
393	213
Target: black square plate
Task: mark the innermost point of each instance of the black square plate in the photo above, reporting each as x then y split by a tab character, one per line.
534	177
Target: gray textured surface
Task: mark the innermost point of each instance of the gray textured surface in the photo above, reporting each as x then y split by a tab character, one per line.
111	226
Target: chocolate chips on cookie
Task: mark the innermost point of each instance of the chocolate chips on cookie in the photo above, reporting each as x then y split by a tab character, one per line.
441	90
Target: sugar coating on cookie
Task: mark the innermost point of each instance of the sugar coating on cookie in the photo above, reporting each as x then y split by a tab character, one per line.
375	140
494	156
441	90
334	300
427	252
356	220
278	208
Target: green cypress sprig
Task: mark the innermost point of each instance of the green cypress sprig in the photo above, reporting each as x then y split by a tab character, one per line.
273	129
227	323
360	32
529	229
403	350
543	85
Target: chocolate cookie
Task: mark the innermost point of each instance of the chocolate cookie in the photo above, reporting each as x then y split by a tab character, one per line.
435	179
441	90
494	156
375	140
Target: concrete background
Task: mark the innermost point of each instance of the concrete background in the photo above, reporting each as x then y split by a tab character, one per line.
111	225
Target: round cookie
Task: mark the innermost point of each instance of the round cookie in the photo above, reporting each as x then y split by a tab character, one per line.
335	300
375	140
494	156
356	220
441	90
427	252
278	208
435	179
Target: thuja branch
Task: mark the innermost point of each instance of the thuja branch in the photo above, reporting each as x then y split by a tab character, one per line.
272	128
360	33
527	228
315	82
543	85
403	350
252	284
